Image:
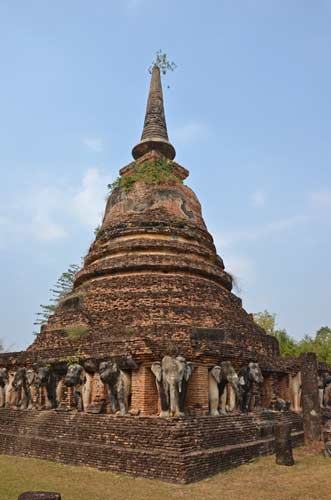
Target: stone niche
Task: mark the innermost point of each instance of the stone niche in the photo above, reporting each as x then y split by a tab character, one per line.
275	384
145	397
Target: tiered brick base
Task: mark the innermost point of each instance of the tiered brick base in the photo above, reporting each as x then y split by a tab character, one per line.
176	450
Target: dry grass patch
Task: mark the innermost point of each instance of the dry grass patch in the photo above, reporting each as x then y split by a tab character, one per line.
309	479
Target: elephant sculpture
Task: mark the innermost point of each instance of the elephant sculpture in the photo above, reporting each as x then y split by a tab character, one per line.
296	391
10	392
249	377
220	378
172	376
279	404
326	435
45	383
22	381
324	389
3	383
327	395
118	385
75	378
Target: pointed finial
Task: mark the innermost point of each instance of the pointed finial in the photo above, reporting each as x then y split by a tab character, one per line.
155	135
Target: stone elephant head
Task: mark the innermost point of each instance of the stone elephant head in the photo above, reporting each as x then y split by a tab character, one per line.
225	373
19	379
109	371
46	386
172	376
220	377
22	382
254	373
42	378
118	385
74	375
3	382
249	377
324	385
75	378
3	377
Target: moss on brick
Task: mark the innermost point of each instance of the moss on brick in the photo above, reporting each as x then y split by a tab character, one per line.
76	332
158	171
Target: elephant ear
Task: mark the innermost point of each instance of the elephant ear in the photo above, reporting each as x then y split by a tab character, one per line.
157	370
188	370
216	373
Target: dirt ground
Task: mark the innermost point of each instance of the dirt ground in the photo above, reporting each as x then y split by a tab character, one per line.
309	478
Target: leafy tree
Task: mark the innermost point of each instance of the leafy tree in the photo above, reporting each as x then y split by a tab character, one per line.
320	344
2	347
62	287
267	321
287	345
64	284
162	62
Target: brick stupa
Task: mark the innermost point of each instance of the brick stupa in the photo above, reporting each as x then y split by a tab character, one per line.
152	282
152	286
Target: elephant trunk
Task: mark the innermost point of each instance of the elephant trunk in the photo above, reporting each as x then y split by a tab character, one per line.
173	398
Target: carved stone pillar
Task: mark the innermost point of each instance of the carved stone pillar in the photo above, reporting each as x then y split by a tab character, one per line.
310	397
283	444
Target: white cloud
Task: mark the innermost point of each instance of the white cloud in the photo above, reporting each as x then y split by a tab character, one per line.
188	133
44	229
321	198
89	201
94	144
43	208
227	239
259	198
48	213
287	223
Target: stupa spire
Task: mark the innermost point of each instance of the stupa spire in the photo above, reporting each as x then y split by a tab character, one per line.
154	135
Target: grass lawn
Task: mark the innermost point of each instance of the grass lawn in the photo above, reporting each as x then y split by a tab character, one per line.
309	478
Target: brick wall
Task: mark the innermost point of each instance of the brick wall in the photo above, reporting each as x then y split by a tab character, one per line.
177	450
144	392
197	398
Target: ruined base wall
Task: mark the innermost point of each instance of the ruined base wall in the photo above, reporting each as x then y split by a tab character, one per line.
176	450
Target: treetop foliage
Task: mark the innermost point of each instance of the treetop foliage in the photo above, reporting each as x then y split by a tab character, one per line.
162	62
62	287
320	343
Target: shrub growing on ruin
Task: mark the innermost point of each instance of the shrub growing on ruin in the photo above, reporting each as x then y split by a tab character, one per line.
158	171
76	332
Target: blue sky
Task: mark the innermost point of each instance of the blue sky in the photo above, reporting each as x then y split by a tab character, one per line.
248	110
